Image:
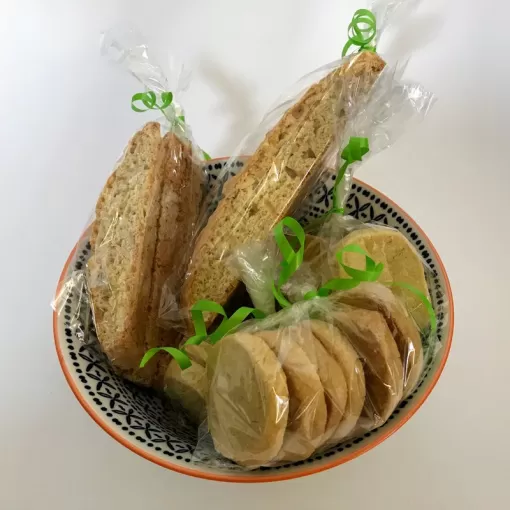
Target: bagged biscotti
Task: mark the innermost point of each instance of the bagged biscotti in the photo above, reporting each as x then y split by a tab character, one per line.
279	174
143	225
360	99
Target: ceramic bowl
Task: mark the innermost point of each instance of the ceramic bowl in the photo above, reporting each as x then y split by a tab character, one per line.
139	419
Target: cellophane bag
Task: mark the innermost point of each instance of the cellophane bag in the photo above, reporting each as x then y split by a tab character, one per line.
404	272
390	107
256	264
309	377
327	256
297	145
331	365
143	226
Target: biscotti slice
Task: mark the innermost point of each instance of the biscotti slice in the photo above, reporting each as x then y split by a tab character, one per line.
123	243
129	242
180	202
276	177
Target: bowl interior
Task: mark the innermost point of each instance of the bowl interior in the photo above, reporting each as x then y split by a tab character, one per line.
139	418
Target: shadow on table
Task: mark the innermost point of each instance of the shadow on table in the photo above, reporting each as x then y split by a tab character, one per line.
235	103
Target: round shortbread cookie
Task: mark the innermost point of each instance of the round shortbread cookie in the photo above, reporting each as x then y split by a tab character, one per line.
369	335
307	404
401	264
190	386
374	296
340	348
248	401
331	375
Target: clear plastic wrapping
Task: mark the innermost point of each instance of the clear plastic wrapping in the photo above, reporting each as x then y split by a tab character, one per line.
311	376
280	174
358	96
263	256
402	263
337	359
324	369
143	227
190	387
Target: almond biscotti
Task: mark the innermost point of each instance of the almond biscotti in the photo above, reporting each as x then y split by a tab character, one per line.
276	177
143	224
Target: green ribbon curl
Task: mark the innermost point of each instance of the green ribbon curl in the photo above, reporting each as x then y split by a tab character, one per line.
292	259
227	325
179	355
356	148
149	100
425	301
361	31
371	273
373	270
353	151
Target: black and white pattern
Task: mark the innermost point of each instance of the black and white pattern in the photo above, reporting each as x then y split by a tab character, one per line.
142	417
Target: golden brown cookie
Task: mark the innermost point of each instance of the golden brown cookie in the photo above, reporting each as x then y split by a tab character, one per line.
402	264
369	335
341	350
331	376
374	296
248	401
190	386
307	404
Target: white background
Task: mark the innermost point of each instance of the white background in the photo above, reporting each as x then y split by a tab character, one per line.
65	117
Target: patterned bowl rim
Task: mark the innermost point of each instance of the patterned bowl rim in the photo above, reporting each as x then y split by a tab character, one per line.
270	477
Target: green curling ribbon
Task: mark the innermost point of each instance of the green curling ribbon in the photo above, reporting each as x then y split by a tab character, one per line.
353	151
231	323
197	317
292	259
372	269
356	148
361	31
228	324
426	303
180	356
371	273
149	100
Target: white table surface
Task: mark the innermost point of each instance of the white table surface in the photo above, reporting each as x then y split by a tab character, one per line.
65	117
